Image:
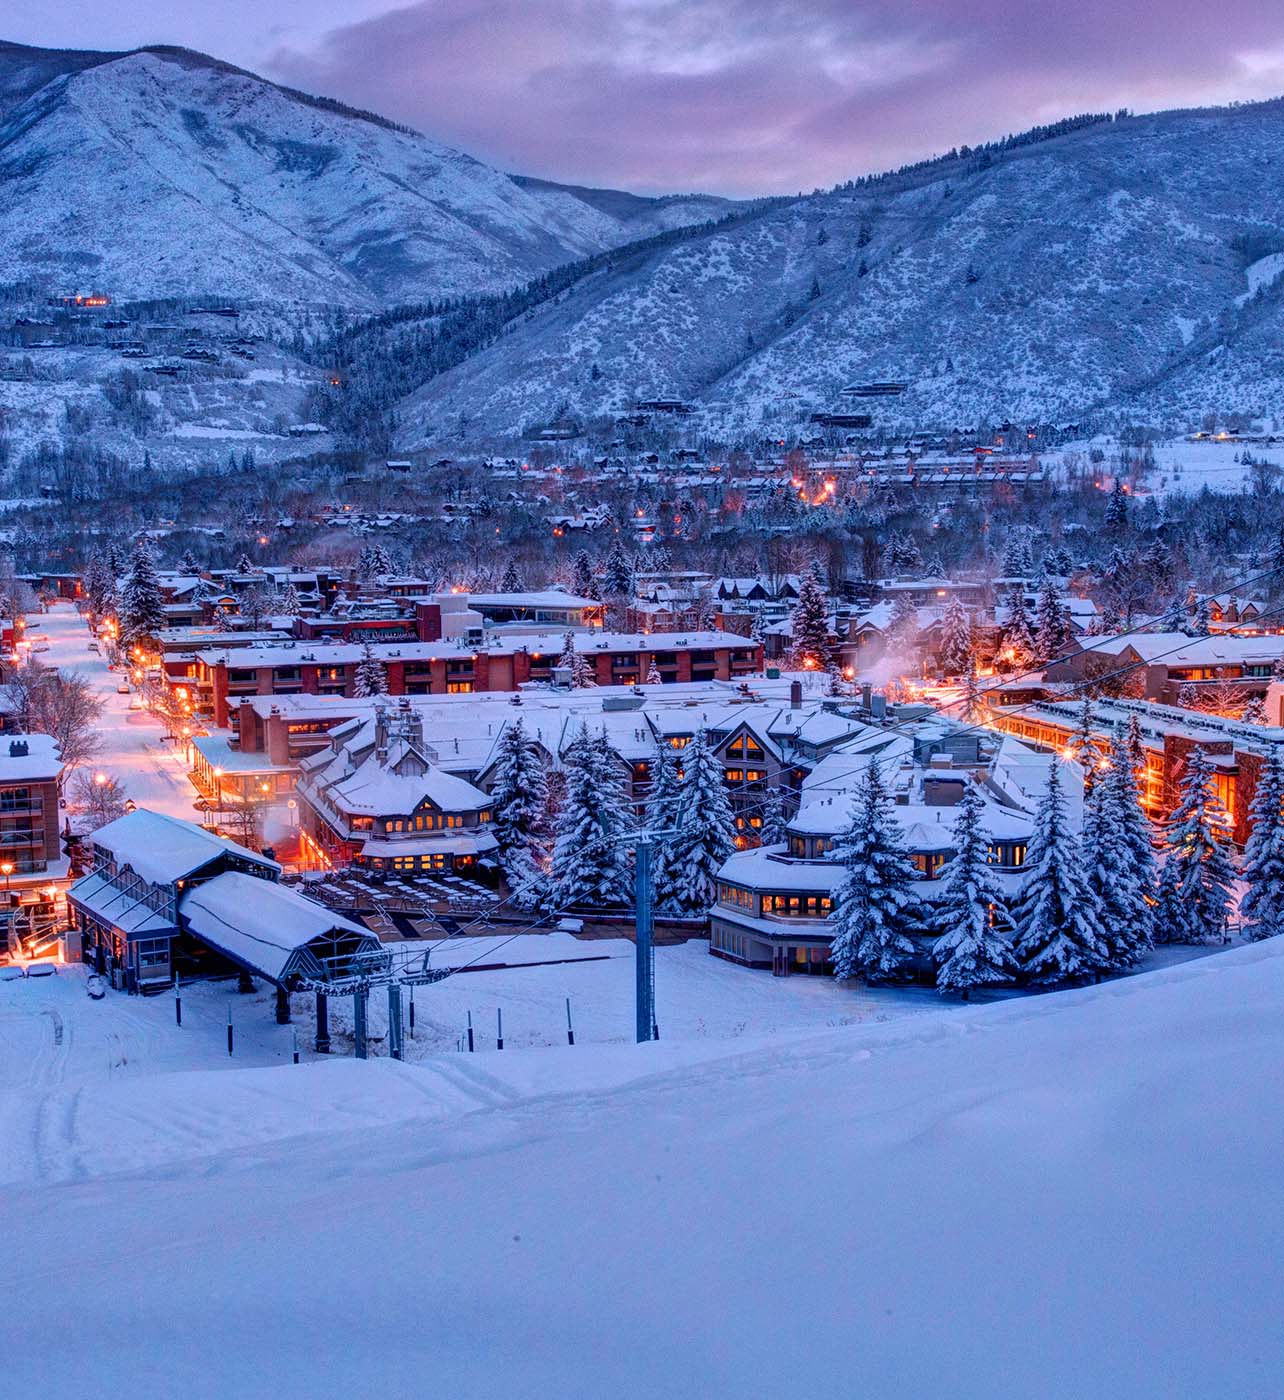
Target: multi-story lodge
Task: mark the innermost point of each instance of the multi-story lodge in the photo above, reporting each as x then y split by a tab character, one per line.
32	863
1169	661
374	797
1235	750
774	903
461	667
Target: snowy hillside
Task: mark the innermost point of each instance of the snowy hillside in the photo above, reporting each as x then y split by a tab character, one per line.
1071	1195
162	172
1131	267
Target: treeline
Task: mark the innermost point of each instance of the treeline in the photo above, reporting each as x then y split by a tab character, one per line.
979	157
381	359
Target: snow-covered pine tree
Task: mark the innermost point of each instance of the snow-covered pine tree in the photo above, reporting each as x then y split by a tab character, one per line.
705	828
810	625
1018	637
370	678
582	574
189	564
901	636
1261	910
1083	749
972	948
661	815
244	565
877	907
618	577
1200	624
590	867
1058	935
956	638
512	580
653	676
1131	869
1117	507
1167	918
577	664
1198	840
1254	711
142	612
520	794
773	831
972	702
1051	632
288	602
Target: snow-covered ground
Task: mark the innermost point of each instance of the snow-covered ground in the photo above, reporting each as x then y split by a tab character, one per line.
149	766
1069	1195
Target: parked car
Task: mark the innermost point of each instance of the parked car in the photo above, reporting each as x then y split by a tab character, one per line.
123	688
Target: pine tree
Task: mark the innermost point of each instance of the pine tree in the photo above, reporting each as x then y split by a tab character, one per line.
1254	711
590	861
1018	638
1261	910
583	580
1130	863
1117	507
512	580
704	827
520	794
244	565
972	702
661	815
1169	920
1198	841
289	604
1058	935
371	678
774	828
618	577
810	625
1200	624
142	613
653	676
1051	633
877	907
577	664
1083	748
956	639
971	949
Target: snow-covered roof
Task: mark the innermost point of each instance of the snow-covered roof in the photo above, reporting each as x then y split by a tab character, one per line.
162	849
114	907
41	759
259	923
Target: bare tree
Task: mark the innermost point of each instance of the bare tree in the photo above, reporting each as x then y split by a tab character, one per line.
100	798
61	704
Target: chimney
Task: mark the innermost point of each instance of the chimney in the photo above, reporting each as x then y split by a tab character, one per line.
866	691
795	695
18	748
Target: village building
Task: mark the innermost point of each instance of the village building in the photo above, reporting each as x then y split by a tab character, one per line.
33	866
165	897
375	797
774	903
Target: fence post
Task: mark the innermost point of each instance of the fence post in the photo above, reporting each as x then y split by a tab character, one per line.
229	1028
471	1047
178	1002
570	1030
499	1032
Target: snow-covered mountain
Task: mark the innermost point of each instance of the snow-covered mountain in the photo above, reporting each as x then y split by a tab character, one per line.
164	172
1131	268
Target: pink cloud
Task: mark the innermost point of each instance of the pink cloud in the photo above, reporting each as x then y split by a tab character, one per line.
768	96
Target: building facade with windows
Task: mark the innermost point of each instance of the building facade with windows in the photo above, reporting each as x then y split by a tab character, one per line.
375	798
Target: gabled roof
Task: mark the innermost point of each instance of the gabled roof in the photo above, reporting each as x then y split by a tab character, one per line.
163	849
264	926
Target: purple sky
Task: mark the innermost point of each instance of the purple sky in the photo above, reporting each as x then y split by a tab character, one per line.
731	96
